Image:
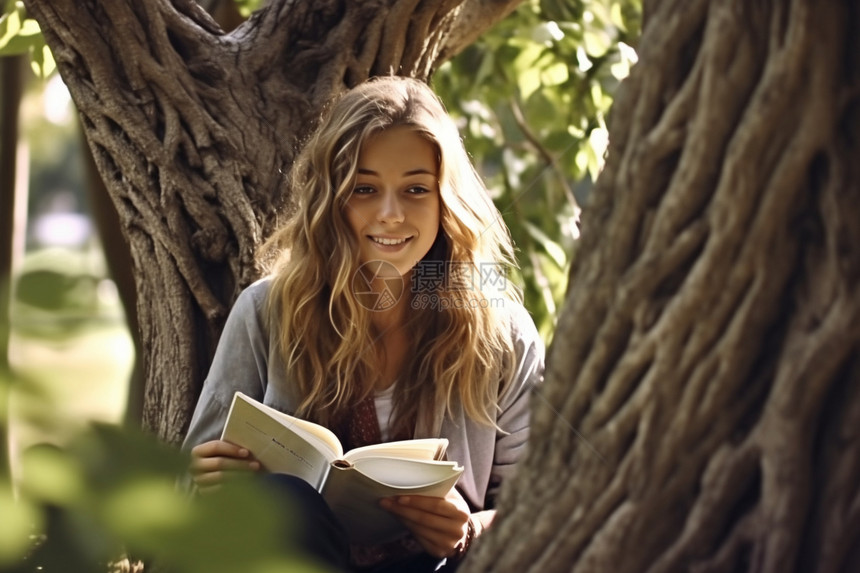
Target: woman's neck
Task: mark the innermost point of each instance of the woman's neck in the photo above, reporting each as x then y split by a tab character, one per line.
389	321
391	318
390	339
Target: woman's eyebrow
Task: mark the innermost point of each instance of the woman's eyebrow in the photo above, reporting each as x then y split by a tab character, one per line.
421	171
416	171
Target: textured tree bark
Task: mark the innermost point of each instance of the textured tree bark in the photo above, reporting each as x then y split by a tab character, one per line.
116	250
118	258
701	409
192	129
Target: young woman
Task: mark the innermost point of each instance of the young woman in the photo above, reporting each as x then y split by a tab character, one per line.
387	315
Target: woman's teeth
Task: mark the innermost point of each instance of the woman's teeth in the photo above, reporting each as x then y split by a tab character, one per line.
383	241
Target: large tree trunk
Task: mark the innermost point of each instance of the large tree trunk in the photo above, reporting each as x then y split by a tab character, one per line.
116	251
701	410
192	130
118	258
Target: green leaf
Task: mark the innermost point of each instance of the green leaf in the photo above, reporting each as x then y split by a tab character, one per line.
18	34
547	33
617	16
529	82
17	46
485	70
51	474
528	74
11	24
560	142
552	248
246	7
158	509
597	42
30	28
20	519
554	74
42	62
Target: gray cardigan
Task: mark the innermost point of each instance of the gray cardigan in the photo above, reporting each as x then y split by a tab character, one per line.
248	359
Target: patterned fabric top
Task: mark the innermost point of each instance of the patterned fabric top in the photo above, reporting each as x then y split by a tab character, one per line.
361	428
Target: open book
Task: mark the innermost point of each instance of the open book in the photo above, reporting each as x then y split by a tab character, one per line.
352	483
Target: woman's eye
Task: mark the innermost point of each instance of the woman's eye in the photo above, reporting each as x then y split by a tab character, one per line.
417	190
362	190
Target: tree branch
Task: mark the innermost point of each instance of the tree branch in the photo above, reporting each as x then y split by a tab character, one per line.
472	19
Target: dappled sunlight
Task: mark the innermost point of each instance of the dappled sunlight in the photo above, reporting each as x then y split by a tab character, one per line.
62	385
83	377
70	351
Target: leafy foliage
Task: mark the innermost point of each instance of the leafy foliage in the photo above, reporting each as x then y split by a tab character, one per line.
59	291
112	493
22	35
246	7
532	96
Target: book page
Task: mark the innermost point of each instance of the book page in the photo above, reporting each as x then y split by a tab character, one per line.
420	449
279	447
354	496
406	474
321	437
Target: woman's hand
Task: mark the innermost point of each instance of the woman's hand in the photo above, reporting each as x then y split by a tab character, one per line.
212	462
439	524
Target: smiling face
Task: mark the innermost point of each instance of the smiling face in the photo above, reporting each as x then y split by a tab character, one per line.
394	209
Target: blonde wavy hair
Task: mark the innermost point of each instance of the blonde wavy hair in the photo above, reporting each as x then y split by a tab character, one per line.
461	347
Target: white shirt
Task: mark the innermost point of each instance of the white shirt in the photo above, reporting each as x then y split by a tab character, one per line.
384	402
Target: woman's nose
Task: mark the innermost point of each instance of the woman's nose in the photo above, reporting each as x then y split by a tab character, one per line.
390	209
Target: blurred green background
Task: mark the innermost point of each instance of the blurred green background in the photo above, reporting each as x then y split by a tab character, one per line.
69	346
